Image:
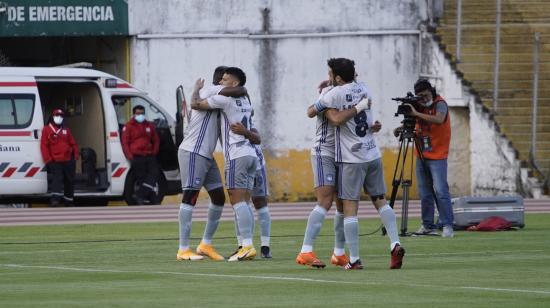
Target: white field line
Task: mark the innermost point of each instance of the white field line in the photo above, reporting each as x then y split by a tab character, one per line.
300	279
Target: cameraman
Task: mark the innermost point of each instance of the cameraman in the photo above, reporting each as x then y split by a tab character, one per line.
433	133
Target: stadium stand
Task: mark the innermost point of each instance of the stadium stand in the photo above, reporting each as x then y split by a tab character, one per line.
520	20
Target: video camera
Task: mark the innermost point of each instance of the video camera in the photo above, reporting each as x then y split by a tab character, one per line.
409	99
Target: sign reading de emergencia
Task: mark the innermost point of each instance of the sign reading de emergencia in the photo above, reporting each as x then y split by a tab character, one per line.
63	17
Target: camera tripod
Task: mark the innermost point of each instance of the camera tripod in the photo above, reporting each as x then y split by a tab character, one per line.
407	137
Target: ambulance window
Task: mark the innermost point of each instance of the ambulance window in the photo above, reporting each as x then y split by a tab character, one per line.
16	110
124	105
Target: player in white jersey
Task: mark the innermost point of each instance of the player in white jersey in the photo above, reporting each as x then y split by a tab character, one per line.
358	157
199	169
324	178
240	156
260	192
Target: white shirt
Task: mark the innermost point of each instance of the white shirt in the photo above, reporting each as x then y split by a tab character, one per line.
324	135
202	132
354	142
234	110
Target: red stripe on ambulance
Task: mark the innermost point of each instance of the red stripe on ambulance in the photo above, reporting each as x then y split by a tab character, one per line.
32	172
7	133
17	84
9	172
118	172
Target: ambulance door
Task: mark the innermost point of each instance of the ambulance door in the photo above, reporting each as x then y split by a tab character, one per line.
22	169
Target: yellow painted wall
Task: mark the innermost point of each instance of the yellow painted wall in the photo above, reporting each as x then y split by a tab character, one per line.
290	176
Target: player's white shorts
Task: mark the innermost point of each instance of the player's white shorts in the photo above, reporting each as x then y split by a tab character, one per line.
197	171
353	177
240	172
260	184
324	170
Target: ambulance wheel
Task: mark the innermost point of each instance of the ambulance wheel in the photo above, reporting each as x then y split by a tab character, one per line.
130	187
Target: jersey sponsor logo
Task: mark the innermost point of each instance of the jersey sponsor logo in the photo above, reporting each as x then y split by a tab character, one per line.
238	102
349	97
356	147
370	145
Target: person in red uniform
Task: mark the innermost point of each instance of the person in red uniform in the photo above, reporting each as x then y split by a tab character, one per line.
60	153
140	144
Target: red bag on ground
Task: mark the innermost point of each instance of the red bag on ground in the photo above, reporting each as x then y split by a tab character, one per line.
493	223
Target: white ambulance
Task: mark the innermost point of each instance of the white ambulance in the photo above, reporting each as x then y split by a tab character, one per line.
97	105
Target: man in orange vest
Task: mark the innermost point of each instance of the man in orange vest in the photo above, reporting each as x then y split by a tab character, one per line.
60	153
433	133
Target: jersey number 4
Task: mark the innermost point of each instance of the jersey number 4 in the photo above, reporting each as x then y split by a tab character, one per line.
245	121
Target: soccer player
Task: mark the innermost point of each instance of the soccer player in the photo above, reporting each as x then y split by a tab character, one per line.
199	169
324	177
240	156
260	193
358	157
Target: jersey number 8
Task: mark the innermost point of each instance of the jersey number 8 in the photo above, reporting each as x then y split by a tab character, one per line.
361	124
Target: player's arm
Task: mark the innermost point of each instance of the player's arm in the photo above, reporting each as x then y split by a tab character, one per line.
320	105
250	134
314	110
337	118
438	118
234	91
196	102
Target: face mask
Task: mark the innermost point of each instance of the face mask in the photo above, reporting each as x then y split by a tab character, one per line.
140	118
58	120
428	103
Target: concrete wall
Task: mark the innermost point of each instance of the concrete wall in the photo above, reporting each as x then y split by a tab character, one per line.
495	168
176	42
179	41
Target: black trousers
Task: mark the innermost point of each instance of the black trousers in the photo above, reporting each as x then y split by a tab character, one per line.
146	170
62	181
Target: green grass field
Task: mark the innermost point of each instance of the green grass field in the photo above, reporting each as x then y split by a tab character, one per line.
133	265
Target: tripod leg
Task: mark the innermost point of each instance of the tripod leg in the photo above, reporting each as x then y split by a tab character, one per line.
405	208
399	165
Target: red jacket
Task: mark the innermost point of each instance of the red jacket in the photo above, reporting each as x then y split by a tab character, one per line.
139	139
57	144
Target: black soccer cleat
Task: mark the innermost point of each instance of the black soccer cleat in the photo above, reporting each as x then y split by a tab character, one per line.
266	252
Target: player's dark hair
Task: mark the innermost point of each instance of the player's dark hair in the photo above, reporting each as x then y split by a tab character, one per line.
345	68
137	107
237	73
218	74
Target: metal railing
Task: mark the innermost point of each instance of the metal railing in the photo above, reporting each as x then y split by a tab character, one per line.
496	72
534	112
458	28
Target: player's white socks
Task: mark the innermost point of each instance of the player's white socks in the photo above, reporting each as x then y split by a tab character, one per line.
351	230
237	233
214	215
390	223
244	222
265	225
253	226
339	236
314	224
185	215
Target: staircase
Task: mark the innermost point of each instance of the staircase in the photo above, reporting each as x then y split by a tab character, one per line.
520	20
